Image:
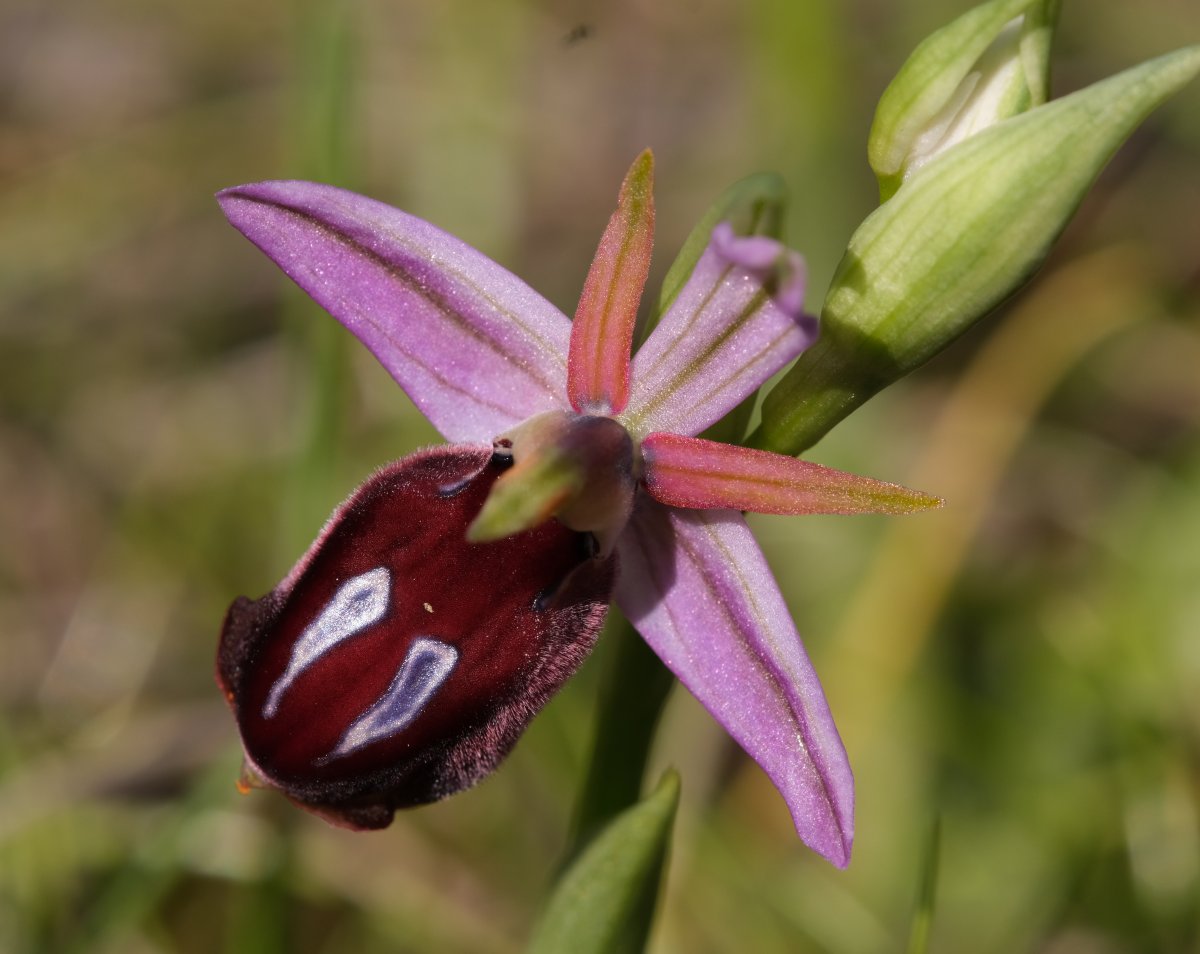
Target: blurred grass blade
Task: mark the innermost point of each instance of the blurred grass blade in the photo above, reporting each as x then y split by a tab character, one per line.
321	147
754	205
132	892
604	903
918	938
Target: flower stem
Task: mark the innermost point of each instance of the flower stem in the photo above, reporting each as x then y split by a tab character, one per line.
632	695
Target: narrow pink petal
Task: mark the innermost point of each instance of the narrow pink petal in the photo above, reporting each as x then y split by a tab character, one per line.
474	347
602	334
698	589
695	473
737	321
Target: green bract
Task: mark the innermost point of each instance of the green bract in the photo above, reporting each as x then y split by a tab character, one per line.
961	234
989	64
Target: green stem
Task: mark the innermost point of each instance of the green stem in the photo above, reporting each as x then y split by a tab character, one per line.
631	700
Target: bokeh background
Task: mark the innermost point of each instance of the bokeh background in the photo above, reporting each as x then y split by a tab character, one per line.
175	424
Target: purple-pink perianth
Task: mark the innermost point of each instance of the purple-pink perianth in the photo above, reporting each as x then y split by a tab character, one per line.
484	356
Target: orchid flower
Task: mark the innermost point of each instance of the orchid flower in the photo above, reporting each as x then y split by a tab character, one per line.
560	436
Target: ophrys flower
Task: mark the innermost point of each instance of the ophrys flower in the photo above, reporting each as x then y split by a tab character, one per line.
571	441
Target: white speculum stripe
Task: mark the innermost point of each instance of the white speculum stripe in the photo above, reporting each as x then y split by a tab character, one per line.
358	603
426	666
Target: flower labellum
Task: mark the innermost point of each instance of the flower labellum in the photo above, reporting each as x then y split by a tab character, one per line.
352	701
398	663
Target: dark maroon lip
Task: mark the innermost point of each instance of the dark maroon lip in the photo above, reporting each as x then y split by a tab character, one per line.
398	663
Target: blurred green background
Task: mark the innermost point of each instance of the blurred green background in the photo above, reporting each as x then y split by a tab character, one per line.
1024	664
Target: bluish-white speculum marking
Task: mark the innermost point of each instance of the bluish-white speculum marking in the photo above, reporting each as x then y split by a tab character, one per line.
357	604
427	665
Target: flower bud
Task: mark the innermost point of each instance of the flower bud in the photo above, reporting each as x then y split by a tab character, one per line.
962	234
398	663
989	64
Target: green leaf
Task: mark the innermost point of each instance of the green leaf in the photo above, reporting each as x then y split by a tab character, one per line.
962	235
604	903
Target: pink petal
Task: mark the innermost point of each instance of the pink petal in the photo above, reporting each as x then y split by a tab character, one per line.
602	333
698	589
475	348
737	321
705	475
